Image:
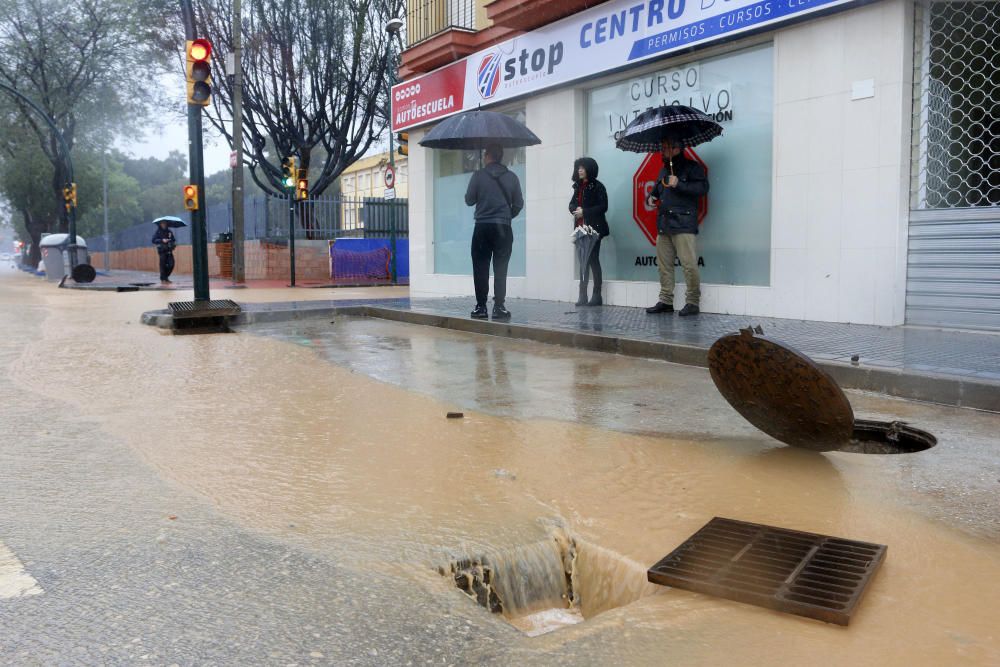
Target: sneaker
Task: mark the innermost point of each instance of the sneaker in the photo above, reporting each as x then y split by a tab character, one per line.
500	313
689	309
660	307
480	313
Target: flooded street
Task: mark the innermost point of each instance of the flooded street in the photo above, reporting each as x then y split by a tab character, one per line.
328	443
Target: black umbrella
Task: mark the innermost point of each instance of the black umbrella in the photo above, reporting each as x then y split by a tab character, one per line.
475	130
685	126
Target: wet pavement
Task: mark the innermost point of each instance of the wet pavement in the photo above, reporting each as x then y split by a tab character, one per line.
285	494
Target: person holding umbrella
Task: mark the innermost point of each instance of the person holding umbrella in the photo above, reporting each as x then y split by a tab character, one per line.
681	183
165	242
589	205
495	191
669	129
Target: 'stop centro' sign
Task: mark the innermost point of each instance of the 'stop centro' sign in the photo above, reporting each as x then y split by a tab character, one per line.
600	39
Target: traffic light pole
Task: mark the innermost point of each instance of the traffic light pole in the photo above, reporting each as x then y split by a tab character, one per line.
199	235
291	236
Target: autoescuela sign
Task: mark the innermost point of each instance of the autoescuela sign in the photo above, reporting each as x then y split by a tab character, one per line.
601	39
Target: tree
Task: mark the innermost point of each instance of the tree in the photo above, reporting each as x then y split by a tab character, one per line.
314	75
78	60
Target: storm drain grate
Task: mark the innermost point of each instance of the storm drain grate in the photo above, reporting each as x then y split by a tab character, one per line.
786	570
214	308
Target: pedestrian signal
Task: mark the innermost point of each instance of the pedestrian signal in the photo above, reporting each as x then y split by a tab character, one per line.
199	72
302	189
191	197
403	139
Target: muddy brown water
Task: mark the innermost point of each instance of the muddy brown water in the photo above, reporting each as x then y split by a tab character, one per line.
287	443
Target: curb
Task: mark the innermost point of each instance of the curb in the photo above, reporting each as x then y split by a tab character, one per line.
926	387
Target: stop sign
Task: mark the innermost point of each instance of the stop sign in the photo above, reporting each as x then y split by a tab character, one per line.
642	184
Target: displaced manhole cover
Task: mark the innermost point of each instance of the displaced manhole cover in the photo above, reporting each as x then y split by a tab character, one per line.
786	395
781	391
801	573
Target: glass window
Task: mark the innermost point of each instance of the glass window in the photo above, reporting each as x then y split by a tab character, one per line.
348	185
401	176
453	221
734	241
363	182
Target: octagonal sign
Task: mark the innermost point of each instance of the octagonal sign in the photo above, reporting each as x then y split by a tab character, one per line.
642	184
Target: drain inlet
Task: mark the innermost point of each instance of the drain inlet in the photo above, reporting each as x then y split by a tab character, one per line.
547	585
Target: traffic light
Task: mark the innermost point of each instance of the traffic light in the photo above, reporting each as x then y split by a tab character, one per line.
69	196
403	139
302	188
289	174
199	72
191	197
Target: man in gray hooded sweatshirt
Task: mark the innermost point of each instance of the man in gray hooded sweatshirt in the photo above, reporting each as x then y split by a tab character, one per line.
495	191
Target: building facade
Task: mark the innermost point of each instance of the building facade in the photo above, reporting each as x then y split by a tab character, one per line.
365	179
857	179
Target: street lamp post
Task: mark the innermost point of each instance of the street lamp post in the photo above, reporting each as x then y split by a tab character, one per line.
393	28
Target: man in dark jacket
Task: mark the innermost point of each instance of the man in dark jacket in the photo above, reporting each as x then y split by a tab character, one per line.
495	191
165	242
681	183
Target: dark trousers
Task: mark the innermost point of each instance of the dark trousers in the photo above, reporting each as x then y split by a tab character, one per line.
166	265
494	242
594	269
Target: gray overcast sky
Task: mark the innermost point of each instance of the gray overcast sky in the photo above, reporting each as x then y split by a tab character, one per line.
171	135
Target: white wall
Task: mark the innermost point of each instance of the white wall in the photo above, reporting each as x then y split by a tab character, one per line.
841	172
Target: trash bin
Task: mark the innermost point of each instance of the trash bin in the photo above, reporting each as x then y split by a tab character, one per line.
56	257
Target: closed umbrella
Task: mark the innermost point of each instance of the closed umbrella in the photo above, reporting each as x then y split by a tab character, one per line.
475	130
585	238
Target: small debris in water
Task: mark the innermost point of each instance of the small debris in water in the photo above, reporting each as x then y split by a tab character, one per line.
500	473
456	415
856	359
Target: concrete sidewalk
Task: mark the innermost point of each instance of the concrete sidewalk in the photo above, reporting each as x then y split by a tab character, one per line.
941	366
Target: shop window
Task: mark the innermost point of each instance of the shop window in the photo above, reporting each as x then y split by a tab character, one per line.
735	236
453	220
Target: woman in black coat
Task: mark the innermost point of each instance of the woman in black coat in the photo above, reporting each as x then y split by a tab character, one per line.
589	205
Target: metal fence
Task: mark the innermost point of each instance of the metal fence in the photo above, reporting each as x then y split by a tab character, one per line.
426	18
956	106
267	218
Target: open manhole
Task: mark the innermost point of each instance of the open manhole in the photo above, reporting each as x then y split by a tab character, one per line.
801	573
556	582
786	395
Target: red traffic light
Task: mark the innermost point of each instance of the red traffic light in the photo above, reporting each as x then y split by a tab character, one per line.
201	49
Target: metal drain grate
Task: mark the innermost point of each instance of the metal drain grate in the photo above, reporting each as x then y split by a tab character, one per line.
214	308
786	570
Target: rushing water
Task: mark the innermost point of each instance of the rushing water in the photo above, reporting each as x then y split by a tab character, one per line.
313	453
